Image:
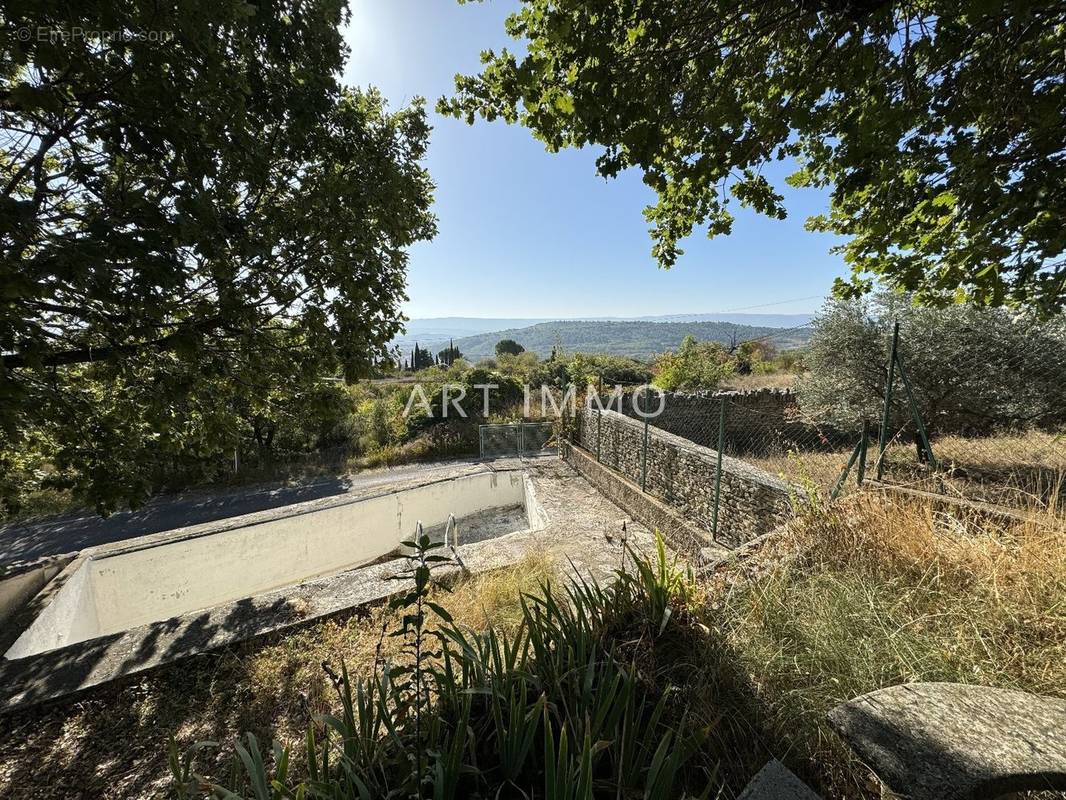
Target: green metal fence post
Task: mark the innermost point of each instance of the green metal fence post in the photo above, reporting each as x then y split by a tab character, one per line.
861	475
844	475
718	469
915	413
883	442
644	449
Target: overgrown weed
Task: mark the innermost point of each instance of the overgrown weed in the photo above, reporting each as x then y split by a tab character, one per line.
573	703
887	590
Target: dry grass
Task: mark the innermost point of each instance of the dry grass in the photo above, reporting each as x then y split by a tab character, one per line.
113	744
1044	449
1021	470
1007	468
296	661
882	591
820	470
1005	564
753	382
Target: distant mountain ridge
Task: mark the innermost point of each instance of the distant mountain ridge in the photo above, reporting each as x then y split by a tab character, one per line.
638	338
757	320
435	332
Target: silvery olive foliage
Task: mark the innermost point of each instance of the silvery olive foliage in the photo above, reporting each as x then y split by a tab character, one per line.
972	369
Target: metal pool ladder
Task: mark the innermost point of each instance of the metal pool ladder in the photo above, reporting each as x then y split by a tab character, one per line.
453	526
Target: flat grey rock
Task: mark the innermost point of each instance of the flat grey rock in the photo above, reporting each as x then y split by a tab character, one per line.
939	741
775	781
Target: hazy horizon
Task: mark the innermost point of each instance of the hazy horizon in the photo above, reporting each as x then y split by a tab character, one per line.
601	317
432	332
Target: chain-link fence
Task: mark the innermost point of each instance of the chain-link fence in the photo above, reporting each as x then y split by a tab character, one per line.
776	435
766	428
987	423
517	439
954	405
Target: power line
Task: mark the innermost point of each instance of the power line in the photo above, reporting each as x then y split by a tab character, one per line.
768	305
781	332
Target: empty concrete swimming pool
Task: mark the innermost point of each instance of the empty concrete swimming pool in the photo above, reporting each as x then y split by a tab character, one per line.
110	589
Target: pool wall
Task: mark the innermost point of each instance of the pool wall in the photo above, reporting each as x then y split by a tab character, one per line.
153	578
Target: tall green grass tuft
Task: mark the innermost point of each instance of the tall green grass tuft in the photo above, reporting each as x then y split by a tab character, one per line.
570	704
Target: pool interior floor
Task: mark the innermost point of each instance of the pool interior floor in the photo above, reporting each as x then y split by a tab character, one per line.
488	524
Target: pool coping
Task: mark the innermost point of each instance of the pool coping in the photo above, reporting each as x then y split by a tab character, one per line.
202	529
78	667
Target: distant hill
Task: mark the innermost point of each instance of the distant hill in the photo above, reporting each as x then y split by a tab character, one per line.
433	333
758	320
636	338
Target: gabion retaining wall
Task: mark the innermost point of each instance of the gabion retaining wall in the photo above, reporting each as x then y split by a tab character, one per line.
682	473
756	420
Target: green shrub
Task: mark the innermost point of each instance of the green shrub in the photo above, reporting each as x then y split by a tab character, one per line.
694	365
585	368
507	392
565	707
582	369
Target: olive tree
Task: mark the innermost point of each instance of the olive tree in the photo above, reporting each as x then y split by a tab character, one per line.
972	369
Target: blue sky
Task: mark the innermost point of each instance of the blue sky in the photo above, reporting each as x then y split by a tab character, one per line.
527	233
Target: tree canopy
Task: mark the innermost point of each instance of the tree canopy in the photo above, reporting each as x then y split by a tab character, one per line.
190	201
508	347
937	124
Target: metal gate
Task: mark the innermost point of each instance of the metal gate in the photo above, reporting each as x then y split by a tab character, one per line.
516	439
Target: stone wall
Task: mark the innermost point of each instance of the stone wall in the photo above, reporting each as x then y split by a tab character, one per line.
682	474
678	532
